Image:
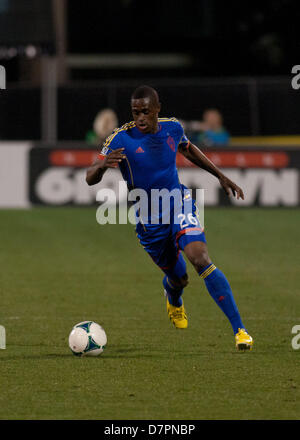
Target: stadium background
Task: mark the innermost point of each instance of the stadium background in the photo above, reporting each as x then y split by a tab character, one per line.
64	62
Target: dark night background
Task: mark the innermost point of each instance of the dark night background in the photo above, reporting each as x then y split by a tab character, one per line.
224	38
224	41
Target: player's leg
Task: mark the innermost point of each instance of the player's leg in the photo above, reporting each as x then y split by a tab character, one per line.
174	282
166	255
174	289
170	260
176	278
215	281
191	239
218	287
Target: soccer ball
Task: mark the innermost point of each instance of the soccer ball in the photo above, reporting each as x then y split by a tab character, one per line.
87	339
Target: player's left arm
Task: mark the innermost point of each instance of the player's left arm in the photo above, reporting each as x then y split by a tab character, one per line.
192	153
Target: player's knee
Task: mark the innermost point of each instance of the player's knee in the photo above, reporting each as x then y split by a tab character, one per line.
184	281
180	283
200	260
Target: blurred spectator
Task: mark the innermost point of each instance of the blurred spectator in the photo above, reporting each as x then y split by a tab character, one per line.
210	131
105	122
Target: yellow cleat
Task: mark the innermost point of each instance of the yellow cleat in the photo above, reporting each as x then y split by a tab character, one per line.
177	315
243	340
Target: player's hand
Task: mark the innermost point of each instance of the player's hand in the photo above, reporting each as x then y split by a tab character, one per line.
230	186
112	159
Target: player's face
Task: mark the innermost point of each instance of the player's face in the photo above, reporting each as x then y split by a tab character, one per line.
145	114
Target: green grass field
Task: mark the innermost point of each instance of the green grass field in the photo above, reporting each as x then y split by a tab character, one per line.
59	267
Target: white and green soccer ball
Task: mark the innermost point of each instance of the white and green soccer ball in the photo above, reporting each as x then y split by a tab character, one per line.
87	339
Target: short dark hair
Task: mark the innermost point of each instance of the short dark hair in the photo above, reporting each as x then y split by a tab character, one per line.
146	92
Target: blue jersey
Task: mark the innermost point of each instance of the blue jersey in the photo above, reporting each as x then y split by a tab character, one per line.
150	158
150	163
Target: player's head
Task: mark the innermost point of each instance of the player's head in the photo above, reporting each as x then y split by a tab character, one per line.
145	107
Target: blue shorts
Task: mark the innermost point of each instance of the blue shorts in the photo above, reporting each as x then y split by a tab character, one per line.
163	242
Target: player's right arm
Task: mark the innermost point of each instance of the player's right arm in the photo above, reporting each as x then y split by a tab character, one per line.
95	172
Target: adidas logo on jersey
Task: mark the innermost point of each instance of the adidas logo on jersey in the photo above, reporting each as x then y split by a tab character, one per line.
139	150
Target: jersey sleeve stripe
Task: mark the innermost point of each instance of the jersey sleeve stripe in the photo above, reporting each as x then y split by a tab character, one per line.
118	130
110	138
167	119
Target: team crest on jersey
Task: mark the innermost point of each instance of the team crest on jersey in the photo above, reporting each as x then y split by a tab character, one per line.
171	143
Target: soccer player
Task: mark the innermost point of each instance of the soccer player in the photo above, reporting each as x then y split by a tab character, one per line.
145	150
